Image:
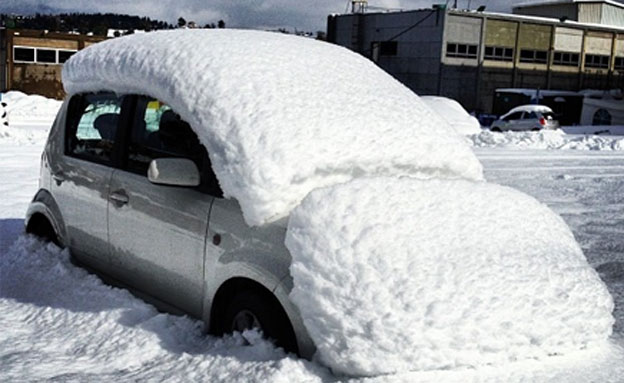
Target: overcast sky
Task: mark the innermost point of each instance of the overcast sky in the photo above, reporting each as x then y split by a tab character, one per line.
266	14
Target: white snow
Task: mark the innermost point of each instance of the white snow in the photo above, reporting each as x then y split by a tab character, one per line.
529	108
439	274
293	116
29	116
546	139
455	114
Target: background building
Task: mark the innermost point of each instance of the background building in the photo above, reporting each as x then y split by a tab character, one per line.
467	55
31	61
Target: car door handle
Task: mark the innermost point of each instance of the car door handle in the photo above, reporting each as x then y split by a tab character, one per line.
58	177
119	197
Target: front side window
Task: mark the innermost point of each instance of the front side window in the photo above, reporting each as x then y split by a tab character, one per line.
93	121
514	116
159	132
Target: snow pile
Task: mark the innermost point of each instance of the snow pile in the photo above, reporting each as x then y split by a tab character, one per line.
61	323
453	113
546	139
439	274
293	116
30	118
30	108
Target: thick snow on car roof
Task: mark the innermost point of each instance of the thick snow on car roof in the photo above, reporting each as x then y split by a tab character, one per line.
530	108
280	115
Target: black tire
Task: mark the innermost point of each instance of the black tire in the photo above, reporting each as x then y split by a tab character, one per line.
267	312
535	129
40	227
496	130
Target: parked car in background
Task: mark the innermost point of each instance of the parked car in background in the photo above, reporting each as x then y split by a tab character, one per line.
526	118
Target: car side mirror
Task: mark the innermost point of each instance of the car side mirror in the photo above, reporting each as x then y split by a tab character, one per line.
174	172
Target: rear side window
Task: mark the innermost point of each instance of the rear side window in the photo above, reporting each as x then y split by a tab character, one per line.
93	122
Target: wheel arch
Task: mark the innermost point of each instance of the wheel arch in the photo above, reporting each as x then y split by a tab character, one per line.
44	208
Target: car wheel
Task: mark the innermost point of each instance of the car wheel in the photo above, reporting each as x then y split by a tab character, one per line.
252	309
535	130
496	129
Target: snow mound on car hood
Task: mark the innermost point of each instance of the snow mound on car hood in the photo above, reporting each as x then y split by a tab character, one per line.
280	115
403	274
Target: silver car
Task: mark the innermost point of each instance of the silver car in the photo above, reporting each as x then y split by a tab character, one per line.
526	118
126	186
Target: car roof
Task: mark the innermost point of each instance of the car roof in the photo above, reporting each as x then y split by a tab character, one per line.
530	108
279	114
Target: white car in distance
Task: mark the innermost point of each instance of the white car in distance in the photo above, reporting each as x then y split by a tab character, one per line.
526	118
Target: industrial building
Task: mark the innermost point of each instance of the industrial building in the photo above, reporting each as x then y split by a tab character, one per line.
467	55
31	61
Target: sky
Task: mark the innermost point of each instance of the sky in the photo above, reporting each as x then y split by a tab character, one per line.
303	15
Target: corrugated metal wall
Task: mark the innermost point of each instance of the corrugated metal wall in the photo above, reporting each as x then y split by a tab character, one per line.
612	15
590	13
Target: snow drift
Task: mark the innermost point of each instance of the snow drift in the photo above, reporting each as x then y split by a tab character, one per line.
453	113
546	139
280	115
439	274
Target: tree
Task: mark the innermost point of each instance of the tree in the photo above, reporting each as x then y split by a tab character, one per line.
181	22
221	24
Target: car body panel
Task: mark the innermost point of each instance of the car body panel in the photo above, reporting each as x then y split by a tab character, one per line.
157	239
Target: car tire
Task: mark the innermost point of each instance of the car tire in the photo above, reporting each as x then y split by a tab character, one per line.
496	129
535	129
249	309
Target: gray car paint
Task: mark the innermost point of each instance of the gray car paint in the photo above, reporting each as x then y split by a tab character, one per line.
161	241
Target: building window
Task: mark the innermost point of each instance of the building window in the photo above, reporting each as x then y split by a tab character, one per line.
467	51
597	61
533	56
64	55
21	54
385	48
41	55
566	59
46	56
619	63
498	53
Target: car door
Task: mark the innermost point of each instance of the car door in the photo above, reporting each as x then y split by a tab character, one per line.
514	121
81	176
157	232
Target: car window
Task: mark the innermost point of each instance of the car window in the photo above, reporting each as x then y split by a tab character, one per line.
514	116
530	116
159	132
92	126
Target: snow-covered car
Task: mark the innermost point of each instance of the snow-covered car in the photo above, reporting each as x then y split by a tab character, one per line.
526	118
244	178
4	117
